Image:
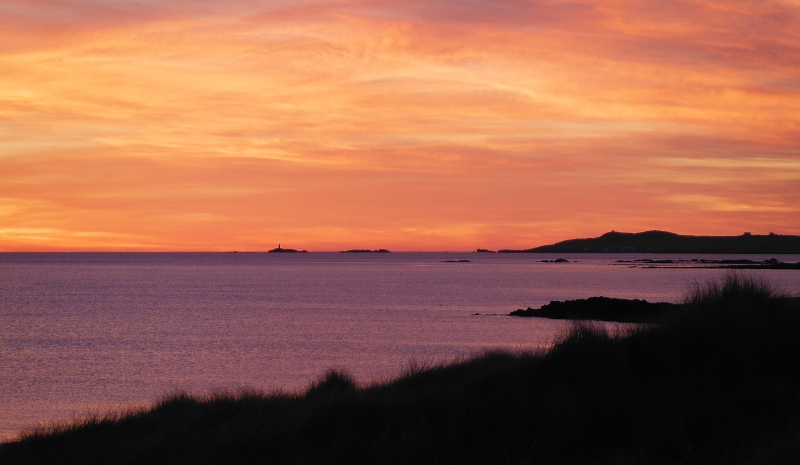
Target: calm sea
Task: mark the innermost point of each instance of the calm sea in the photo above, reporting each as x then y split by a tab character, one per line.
84	332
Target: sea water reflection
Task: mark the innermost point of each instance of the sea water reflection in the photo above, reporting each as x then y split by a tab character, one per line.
90	332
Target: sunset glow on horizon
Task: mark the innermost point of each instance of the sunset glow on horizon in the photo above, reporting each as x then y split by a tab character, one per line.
409	125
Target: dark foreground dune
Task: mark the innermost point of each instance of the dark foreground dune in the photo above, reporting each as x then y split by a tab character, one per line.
718	382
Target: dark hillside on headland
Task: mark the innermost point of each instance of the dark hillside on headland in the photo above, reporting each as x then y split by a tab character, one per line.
667	242
715	382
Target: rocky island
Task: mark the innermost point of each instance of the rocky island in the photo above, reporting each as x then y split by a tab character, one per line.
279	249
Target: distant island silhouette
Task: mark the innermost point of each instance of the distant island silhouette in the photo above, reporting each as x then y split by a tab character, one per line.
365	251
667	242
279	249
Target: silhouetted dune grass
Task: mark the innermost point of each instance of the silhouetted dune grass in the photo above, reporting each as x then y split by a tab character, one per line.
718	382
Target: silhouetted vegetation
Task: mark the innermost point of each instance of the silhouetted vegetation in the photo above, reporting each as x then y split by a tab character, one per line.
716	382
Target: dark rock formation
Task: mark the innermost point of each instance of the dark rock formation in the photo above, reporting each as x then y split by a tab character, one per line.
602	309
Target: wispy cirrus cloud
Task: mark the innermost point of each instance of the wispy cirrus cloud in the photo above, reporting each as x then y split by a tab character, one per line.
466	119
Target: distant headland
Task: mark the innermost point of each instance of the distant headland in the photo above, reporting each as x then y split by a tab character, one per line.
279	249
667	242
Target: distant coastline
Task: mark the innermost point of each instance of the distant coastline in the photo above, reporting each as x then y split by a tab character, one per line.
740	264
668	242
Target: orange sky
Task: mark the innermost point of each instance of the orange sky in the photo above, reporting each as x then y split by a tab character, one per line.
408	125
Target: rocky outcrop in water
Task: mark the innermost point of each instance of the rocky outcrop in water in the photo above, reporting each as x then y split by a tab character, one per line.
601	309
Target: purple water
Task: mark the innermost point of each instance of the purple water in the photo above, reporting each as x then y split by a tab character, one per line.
84	333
